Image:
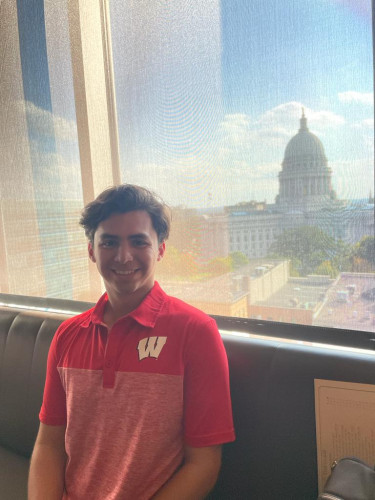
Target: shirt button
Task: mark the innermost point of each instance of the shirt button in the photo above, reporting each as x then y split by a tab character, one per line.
108	364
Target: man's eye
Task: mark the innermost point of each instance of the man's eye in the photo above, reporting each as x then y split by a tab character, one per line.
108	244
139	243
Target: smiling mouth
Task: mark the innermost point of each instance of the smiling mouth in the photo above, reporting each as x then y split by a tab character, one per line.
124	273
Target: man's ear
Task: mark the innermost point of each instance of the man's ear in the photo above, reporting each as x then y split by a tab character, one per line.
161	250
91	252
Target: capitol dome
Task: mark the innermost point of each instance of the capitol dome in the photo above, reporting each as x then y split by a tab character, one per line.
304	149
305	178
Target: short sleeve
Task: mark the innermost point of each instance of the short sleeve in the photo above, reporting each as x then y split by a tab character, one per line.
207	404
53	411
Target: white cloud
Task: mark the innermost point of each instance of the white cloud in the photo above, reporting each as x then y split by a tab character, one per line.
357	97
248	156
61	174
321	120
252	148
263	139
286	116
42	122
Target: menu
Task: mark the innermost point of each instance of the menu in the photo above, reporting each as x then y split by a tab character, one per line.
345	423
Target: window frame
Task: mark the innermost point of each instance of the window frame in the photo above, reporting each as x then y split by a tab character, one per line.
354	339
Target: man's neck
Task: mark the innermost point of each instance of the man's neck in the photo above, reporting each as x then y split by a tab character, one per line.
117	307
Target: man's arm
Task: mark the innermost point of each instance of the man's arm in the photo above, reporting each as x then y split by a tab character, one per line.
47	469
197	476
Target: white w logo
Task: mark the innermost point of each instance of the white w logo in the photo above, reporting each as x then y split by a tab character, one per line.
150	347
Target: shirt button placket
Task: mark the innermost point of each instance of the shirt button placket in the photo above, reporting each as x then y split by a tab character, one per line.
109	363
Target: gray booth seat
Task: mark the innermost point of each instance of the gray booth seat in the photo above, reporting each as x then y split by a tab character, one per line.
272	383
24	342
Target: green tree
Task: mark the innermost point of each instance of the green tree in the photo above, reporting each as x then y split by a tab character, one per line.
362	256
326	268
219	265
307	247
359	265
238	259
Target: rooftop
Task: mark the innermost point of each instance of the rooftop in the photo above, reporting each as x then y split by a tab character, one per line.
221	289
347	306
300	293
224	289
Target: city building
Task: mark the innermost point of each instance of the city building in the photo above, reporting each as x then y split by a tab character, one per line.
298	300
306	198
234	293
305	181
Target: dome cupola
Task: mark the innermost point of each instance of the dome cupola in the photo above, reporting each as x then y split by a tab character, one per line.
305	179
304	147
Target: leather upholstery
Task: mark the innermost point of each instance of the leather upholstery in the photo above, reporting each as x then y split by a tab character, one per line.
272	384
24	342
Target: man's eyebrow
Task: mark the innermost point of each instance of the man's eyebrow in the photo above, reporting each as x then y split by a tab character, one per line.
105	236
139	235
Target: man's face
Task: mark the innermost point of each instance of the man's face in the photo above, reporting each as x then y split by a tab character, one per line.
125	251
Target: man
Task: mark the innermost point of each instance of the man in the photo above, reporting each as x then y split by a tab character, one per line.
136	401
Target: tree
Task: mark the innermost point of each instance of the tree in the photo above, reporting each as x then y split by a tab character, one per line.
219	265
362	256
326	268
238	259
359	265
308	247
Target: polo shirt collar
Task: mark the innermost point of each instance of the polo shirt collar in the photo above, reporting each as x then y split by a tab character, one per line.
146	313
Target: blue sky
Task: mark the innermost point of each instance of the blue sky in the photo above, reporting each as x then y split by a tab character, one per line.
209	93
279	50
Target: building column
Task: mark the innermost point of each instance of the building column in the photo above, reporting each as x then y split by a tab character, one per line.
91	53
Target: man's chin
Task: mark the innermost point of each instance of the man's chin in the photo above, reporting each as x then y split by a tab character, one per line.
130	289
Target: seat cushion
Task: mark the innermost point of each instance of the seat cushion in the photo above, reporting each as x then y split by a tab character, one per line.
13	475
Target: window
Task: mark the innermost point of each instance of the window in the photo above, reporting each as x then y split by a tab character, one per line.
262	123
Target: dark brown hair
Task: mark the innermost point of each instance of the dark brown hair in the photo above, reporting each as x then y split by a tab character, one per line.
122	199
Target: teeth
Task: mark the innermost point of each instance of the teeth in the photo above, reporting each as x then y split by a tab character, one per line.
124	272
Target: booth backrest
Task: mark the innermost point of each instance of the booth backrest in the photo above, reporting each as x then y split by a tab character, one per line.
272	384
25	338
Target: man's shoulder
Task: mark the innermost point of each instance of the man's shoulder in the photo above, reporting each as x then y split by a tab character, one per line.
78	320
198	330
180	309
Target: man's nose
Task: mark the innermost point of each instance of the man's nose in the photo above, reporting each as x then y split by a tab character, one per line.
124	253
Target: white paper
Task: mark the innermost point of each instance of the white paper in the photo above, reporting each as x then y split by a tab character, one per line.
345	423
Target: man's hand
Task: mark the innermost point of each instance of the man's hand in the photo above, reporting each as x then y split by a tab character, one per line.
47	469
197	476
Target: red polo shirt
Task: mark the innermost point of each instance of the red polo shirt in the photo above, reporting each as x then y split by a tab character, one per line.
133	396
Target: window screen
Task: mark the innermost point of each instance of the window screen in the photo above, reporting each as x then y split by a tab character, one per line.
253	120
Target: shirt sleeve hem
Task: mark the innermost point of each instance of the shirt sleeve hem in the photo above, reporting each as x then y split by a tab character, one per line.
211	439
48	420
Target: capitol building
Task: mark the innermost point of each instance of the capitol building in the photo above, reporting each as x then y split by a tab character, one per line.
306	198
